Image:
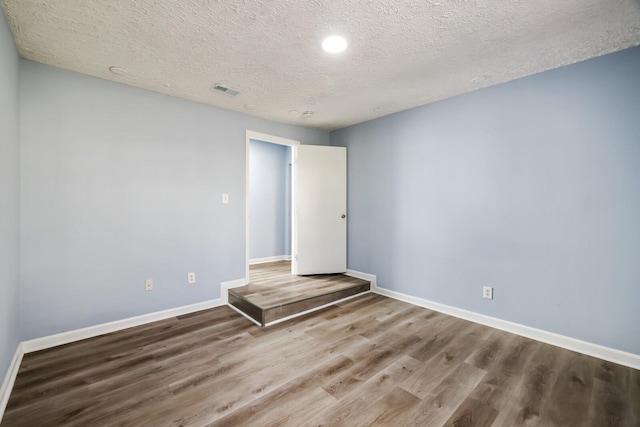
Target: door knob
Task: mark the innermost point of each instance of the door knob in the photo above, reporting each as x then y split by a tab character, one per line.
343	216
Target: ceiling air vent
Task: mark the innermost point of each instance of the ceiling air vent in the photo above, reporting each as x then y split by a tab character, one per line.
224	89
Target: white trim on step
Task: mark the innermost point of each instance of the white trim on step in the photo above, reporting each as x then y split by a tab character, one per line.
244	314
10	378
606	353
225	286
364	276
105	328
270	259
311	310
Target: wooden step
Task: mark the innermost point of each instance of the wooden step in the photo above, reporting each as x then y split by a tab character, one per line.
271	298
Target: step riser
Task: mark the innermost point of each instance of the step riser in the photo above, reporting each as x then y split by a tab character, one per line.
268	315
246	307
273	314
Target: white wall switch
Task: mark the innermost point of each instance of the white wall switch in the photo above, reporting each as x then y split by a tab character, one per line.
225	199
148	285
191	278
487	292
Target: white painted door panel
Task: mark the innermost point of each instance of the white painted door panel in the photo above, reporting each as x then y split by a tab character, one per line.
321	199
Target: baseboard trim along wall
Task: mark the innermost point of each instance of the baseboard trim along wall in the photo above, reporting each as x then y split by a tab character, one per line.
605	353
105	328
10	378
225	286
364	276
270	259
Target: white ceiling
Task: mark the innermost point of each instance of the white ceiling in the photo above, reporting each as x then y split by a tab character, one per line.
401	54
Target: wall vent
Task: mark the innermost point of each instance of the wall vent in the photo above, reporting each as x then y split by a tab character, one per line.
224	89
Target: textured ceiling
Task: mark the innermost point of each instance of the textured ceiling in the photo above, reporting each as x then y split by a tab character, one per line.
401	54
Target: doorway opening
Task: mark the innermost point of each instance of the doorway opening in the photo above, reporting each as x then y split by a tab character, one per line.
276	291
275	148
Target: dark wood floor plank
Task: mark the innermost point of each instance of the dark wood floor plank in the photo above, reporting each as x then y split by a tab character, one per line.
362	399
505	375
472	413
430	323
255	377
388	411
634	394
178	380
572	390
369	363
241	383
74	406
449	337
398	320
292	403
363	326
447	359
438	406
86	355
100	365
488	350
530	398
609	404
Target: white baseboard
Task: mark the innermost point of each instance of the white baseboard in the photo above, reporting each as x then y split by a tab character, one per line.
9	379
364	276
225	286
270	259
610	354
105	328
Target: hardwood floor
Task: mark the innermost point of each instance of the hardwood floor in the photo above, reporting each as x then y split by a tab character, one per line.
368	361
274	293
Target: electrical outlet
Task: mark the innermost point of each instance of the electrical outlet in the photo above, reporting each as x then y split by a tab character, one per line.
191	278
487	292
148	285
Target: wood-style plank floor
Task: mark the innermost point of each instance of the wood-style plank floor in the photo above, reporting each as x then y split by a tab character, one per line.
368	361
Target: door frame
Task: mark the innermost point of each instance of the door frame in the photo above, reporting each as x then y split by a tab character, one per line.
294	223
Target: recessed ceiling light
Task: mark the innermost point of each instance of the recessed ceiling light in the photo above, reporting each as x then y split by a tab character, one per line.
377	109
293	112
307	114
118	70
334	44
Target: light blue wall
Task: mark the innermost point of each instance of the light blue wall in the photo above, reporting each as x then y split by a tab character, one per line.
268	199
119	185
532	187
9	197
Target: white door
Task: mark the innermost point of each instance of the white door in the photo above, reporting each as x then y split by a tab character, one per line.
321	199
